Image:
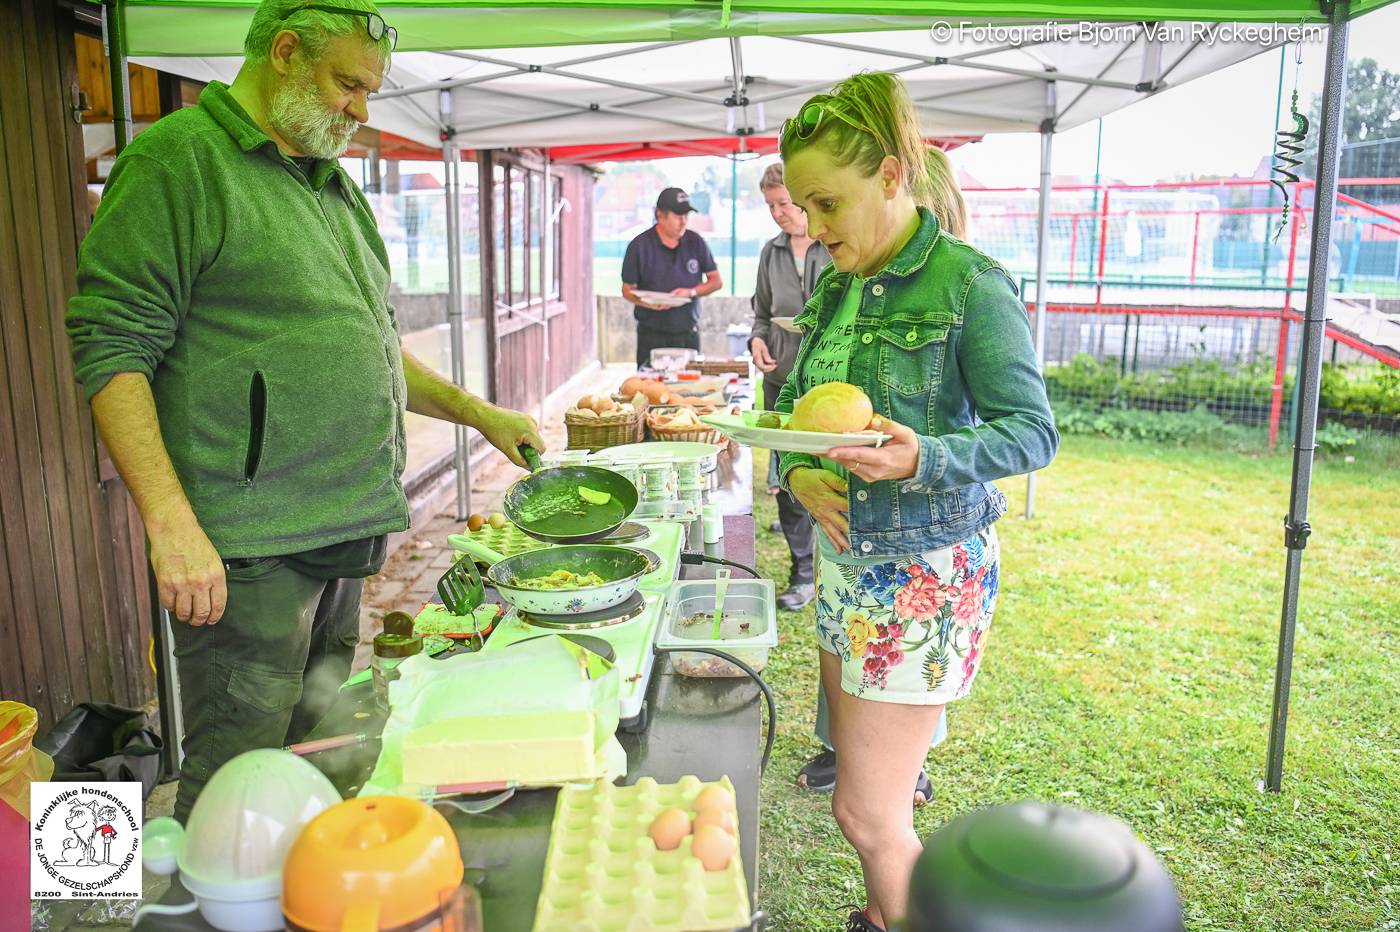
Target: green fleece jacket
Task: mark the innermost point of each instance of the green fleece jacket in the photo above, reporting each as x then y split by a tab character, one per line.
255	301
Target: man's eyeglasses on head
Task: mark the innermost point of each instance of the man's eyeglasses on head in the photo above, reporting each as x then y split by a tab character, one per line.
374	23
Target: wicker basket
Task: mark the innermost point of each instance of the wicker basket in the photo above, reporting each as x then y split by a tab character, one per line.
597	433
722	366
658	431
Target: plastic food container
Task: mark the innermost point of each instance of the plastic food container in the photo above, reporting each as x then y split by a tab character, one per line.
713	524
748	628
231	852
689	472
660	478
377	862
630	472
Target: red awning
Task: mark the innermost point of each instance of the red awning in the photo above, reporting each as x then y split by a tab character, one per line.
396	147
723	146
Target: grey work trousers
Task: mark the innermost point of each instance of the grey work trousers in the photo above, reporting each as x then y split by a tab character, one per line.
268	671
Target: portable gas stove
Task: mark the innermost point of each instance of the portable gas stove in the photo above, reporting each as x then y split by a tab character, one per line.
630	627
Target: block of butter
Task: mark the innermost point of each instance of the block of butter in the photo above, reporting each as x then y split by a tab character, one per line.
531	748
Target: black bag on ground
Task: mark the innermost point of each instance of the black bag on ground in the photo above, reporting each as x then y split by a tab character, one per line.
98	741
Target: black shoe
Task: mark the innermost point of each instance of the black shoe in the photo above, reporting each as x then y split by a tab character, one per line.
819	776
797	597
858	921
819	773
776	527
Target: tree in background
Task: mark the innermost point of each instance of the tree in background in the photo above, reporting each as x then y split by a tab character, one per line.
1370	131
1372	104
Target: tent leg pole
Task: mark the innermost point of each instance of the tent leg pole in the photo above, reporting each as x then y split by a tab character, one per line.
546	228
1296	527
1042	253
114	31
733	224
456	325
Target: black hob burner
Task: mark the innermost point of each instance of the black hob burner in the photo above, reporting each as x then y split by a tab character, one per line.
626	533
602	618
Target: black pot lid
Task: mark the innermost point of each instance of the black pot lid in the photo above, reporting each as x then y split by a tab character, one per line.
1048	851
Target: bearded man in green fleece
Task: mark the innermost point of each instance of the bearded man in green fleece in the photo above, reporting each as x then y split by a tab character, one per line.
233	334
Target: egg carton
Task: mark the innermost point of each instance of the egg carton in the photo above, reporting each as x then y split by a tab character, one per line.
604	873
507	541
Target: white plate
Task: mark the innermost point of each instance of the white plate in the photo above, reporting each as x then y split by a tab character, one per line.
739	428
786	323
663	298
665	451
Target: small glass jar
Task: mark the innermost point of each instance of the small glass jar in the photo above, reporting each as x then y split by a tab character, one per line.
390	650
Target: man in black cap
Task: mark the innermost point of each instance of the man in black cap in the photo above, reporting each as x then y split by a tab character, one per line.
673	260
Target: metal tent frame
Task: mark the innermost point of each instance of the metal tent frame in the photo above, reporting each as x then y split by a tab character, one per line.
746	102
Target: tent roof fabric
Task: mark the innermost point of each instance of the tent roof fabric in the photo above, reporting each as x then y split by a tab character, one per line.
216	27
521	73
681	91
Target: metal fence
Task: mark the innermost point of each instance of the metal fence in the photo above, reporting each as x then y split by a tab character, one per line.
1173	296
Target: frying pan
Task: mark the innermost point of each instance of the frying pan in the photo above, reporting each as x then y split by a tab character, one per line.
621	567
547	506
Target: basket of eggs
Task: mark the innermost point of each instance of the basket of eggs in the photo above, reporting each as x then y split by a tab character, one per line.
597	422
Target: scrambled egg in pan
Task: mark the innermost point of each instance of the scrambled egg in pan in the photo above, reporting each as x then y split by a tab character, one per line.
560	579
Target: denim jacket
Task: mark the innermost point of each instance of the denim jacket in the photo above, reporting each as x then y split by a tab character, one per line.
943	346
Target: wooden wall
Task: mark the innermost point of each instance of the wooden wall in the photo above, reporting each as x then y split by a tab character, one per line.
94	77
74	599
572	331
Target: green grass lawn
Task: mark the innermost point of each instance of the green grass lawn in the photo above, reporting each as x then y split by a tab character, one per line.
1130	671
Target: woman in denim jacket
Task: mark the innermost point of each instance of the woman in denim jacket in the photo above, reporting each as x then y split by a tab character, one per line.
907	565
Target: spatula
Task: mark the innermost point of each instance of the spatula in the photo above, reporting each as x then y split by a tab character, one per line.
462	591
721	586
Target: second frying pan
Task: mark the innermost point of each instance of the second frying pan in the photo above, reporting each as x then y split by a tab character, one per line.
557	505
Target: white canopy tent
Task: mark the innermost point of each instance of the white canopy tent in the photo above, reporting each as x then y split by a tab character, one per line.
687	90
620	71
575	101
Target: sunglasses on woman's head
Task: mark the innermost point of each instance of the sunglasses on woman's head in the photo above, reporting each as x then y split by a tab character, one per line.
374	23
810	118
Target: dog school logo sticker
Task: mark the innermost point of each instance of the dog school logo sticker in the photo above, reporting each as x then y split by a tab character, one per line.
84	841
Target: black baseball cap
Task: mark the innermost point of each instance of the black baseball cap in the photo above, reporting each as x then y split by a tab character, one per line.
675	201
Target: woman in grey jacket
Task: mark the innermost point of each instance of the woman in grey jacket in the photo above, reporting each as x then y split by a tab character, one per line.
787	269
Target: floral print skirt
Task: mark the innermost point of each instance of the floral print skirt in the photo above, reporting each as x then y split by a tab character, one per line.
911	630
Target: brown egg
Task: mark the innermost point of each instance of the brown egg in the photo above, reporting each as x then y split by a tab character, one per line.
668	828
713	846
497	521
713	797
721	818
475	522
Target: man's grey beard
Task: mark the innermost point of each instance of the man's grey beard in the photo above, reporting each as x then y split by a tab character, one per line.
300	117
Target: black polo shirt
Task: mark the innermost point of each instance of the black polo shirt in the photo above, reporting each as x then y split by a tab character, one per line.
651	265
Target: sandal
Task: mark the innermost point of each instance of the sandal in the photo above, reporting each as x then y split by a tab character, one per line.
819	773
819	776
858	921
923	790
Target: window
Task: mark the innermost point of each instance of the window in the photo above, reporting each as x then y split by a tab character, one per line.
556	245
522	278
498	188
534	256
519	230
